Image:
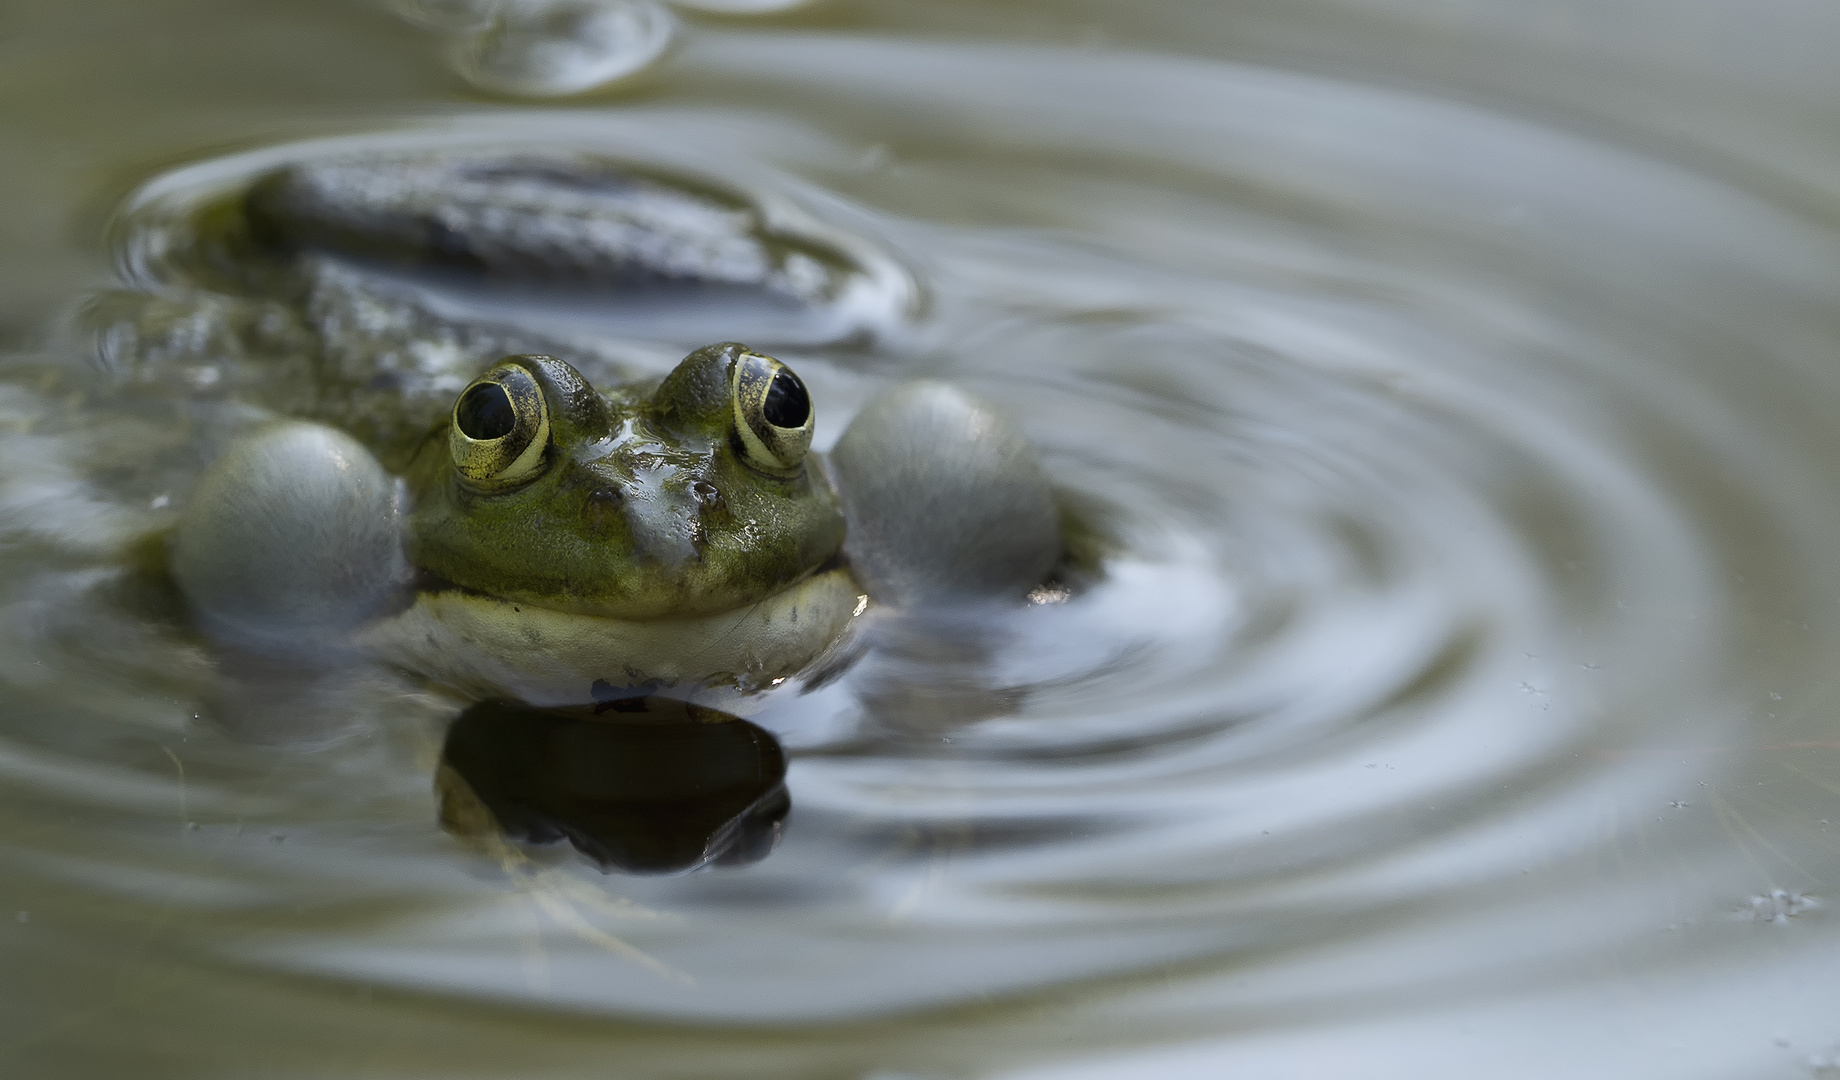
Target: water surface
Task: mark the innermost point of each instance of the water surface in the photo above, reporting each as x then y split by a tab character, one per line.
1456	699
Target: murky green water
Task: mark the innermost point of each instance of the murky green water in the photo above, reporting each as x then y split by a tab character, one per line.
1460	380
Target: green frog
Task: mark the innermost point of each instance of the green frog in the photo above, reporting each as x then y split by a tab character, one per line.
546	541
557	545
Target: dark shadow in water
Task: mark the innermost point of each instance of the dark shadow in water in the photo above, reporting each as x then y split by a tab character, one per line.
650	787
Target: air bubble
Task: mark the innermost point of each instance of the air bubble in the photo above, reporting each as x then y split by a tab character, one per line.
550	48
742	7
1778	906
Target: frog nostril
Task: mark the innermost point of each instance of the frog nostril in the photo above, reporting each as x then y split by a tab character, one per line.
604	515
484	413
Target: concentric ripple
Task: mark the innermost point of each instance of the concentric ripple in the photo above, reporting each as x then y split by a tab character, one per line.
1463	499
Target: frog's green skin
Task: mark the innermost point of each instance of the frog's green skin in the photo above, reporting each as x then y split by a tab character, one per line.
644	507
649	546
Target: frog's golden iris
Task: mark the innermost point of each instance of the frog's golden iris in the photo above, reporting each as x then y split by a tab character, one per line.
500	429
773	416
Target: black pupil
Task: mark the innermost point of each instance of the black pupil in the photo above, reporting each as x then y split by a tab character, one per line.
485	412
787	405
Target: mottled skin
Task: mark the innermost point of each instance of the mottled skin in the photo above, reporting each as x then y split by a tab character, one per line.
644	507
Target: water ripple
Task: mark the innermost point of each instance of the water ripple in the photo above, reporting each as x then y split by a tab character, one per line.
1465	490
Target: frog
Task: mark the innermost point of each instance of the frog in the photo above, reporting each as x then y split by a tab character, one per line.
416	470
553	544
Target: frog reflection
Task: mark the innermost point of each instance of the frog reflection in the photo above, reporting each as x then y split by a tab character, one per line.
640	785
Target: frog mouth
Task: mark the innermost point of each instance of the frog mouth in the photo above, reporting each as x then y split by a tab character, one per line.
487	646
430	583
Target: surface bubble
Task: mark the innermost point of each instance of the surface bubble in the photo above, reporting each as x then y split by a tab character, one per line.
546	48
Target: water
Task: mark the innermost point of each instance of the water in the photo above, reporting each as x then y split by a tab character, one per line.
1456	699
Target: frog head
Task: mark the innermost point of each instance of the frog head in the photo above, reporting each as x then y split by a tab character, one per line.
696	498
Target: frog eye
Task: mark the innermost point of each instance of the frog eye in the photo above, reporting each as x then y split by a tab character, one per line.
773	414
500	427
